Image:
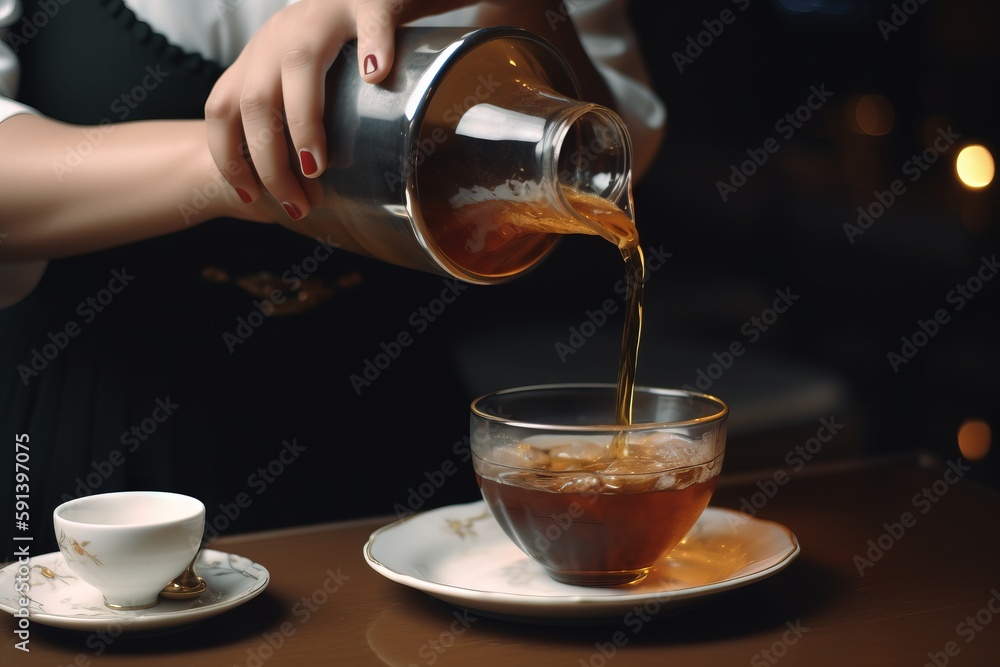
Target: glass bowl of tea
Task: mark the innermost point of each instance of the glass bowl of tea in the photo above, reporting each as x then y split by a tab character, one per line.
595	499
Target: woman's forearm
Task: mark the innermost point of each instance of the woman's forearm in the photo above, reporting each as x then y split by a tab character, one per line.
68	190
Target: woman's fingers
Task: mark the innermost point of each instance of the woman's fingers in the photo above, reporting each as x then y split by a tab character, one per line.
303	82
376	22
264	133
265	116
224	129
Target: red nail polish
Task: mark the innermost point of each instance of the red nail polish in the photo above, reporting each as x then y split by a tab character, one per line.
309	166
292	210
371	64
244	195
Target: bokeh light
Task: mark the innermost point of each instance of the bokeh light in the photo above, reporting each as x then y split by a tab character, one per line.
874	115
974	166
974	439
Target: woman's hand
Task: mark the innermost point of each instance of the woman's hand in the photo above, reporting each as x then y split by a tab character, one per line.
278	82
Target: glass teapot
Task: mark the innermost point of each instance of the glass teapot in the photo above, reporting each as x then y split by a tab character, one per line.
472	158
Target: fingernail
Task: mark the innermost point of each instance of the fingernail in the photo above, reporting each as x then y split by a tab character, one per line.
309	166
244	195
292	210
371	64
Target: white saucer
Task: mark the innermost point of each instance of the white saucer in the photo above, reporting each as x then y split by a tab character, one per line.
57	598
460	555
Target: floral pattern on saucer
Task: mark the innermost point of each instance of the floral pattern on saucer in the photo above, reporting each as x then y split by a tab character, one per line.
56	597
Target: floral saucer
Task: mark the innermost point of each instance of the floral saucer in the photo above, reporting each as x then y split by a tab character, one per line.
459	554
56	597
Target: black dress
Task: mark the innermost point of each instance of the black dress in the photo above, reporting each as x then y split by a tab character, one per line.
162	364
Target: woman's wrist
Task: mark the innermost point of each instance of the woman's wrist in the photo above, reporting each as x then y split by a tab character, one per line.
206	193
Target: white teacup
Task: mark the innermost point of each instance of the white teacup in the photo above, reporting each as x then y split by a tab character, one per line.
129	544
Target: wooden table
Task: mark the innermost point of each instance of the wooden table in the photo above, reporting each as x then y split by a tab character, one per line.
899	566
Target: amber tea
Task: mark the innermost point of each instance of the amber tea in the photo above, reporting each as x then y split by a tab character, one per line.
547	464
595	505
493	231
604	527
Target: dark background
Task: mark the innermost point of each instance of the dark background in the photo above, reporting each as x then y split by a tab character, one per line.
815	387
826	358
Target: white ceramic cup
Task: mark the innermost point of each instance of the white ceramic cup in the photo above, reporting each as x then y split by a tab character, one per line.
129	544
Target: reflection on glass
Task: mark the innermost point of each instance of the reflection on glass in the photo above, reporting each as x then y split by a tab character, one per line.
486	121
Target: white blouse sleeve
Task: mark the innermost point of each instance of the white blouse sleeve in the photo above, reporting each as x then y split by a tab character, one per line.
10	70
609	40
216	30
